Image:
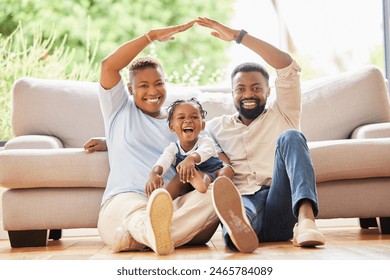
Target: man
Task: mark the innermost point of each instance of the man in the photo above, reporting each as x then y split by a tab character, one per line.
274	183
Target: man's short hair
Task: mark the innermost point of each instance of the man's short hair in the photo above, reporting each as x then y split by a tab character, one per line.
250	67
141	64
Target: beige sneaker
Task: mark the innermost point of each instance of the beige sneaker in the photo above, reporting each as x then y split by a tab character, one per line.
124	242
306	234
228	206
160	211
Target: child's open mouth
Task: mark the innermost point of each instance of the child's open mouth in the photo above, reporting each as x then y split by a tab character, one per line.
188	130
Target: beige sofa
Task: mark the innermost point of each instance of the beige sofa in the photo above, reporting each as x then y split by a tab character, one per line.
52	184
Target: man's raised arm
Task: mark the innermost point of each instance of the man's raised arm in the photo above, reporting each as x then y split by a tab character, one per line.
275	57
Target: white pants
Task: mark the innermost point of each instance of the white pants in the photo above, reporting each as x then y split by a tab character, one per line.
194	219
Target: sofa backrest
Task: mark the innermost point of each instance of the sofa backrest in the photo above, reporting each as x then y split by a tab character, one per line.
332	107
68	110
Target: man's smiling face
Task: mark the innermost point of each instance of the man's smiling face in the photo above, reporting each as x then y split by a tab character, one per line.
250	93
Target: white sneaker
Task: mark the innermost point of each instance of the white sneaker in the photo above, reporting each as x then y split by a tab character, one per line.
124	242
306	234
160	211
228	206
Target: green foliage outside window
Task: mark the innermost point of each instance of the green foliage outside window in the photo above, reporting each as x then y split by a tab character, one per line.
113	22
68	39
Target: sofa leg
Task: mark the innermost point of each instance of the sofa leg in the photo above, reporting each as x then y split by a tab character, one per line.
368	222
28	238
55	234
384	225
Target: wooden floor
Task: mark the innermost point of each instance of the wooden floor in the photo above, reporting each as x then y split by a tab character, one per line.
343	243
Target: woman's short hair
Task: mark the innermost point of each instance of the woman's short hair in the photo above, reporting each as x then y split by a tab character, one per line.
143	63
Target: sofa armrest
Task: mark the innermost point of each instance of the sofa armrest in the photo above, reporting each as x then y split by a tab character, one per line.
377	130
350	159
34	142
71	167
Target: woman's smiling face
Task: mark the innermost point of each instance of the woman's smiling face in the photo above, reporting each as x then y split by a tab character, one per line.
149	90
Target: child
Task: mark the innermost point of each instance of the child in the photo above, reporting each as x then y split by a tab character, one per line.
194	156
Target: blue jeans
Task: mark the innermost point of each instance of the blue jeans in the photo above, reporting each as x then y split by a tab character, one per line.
273	211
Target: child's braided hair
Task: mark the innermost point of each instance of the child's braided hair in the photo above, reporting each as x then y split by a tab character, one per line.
193	100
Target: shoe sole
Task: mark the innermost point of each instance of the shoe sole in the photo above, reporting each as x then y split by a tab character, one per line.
228	206
308	240
311	237
161	211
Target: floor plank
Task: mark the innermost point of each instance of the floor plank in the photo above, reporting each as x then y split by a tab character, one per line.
343	243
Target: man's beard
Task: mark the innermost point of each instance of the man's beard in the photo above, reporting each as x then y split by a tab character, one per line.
251	114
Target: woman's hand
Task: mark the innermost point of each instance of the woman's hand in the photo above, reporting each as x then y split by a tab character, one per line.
166	34
155	181
95	144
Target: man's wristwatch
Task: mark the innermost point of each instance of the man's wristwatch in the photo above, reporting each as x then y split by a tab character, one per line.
240	36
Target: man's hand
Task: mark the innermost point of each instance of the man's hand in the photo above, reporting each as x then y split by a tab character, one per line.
95	144
275	57
220	31
227	169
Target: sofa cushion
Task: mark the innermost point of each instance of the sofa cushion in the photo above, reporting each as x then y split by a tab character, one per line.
34	142
217	104
180	92
51	208
332	160
34	168
350	159
332	107
68	110
363	198
377	130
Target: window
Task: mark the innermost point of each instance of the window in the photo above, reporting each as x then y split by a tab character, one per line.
325	37
386	35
